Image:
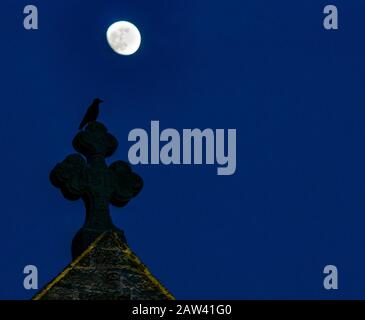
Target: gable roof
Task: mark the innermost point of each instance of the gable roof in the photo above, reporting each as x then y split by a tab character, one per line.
106	270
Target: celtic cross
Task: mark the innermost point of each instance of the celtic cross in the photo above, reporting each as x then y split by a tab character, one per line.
86	175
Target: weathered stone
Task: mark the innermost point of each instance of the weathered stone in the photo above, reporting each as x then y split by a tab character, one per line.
95	182
107	270
103	266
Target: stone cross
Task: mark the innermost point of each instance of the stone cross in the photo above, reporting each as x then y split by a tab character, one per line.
86	175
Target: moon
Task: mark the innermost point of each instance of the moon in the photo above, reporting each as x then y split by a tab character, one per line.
123	37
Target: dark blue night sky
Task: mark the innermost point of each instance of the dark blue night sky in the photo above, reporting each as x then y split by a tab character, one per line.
294	92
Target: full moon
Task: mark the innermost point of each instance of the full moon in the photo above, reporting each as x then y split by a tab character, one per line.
123	37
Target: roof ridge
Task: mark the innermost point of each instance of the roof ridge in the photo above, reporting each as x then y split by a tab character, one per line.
144	268
51	284
124	248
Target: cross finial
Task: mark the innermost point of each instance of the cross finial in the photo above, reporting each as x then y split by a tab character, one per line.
86	175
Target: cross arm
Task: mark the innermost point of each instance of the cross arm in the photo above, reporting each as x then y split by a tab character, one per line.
126	184
68	176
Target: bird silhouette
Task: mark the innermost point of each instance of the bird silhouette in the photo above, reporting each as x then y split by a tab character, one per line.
91	113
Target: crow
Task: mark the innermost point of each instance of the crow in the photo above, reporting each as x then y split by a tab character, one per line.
91	113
